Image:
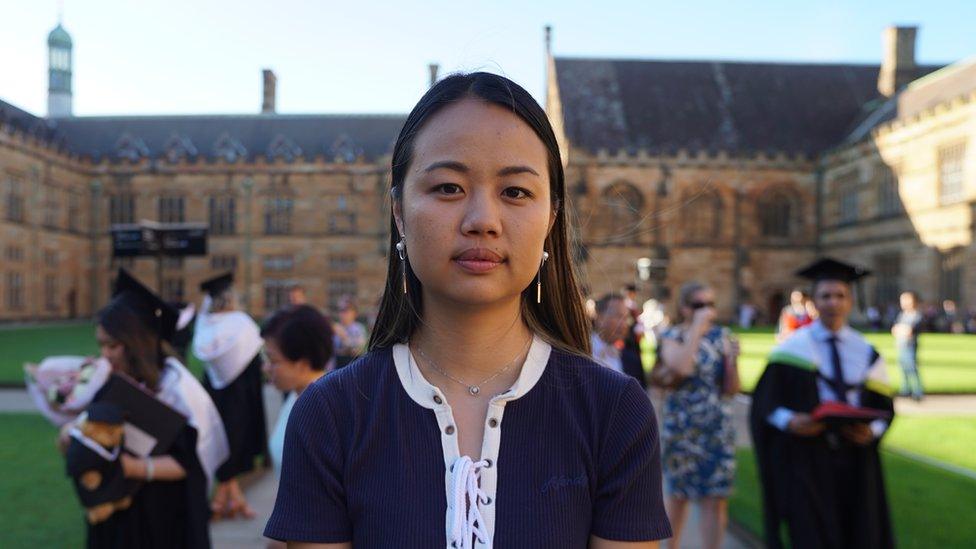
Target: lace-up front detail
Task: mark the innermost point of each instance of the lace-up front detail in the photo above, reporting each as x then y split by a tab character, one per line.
463	506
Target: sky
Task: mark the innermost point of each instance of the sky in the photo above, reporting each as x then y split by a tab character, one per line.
364	56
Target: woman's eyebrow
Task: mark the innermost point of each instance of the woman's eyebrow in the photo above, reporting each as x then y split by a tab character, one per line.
447	165
515	170
462	168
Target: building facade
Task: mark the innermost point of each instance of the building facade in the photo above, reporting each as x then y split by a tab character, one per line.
729	173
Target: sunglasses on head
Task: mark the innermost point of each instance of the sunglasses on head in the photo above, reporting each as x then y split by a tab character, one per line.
694	306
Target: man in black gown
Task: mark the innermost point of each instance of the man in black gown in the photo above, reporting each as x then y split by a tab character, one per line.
823	479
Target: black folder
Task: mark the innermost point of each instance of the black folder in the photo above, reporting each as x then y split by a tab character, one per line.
145	415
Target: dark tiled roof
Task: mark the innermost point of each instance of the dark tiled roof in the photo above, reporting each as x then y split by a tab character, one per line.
23	121
231	136
943	85
702	105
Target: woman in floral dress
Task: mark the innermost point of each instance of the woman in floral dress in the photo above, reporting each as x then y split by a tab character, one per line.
698	435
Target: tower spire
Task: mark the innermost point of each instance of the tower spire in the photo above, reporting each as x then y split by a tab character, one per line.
59	71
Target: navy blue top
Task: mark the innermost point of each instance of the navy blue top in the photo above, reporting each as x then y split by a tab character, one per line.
578	455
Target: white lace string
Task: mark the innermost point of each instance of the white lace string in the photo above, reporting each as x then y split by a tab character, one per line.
463	505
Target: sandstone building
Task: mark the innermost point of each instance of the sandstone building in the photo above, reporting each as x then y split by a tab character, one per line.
732	173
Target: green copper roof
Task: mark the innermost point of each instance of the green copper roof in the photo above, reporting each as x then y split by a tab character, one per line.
59	37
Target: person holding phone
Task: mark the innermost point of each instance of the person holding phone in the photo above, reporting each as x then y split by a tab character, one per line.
698	433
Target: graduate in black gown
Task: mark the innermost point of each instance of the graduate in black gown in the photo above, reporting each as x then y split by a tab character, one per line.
170	509
229	343
823	479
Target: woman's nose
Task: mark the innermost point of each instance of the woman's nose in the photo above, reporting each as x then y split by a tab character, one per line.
481	215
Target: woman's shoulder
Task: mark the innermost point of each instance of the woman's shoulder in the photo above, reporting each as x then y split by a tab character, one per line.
368	367
588	378
357	384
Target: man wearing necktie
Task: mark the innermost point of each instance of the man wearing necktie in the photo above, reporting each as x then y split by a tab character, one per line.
824	482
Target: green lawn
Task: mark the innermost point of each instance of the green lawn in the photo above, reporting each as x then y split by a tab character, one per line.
39	507
33	343
928	505
950	439
947	362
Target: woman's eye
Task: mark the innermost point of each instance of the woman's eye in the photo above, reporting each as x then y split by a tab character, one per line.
448	188
516	192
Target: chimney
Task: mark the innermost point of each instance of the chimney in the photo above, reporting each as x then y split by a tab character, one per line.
433	68
898	66
270	83
548	32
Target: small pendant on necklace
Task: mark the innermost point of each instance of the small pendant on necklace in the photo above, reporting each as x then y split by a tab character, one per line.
474	390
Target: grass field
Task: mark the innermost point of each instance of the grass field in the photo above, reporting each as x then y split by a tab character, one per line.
950	439
947	362
33	343
39	507
927	504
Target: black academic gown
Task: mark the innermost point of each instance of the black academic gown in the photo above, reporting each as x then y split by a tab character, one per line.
241	407
163	514
829	492
633	366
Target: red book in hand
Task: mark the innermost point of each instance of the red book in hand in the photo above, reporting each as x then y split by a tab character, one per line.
838	413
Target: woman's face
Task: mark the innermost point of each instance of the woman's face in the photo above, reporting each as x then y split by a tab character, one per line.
476	204
702	299
287	375
112	350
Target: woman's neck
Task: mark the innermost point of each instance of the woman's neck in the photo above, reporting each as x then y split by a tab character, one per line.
311	377
472	341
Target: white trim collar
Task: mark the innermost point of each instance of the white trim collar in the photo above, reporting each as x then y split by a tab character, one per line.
422	391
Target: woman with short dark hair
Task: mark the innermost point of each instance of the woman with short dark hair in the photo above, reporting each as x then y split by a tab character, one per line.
298	351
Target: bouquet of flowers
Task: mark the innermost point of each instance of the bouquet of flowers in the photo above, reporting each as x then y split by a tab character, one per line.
63	386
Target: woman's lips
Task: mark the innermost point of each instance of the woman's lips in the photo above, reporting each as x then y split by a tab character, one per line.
477	265
478	260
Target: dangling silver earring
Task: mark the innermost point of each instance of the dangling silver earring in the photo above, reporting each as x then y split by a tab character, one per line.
538	278
401	248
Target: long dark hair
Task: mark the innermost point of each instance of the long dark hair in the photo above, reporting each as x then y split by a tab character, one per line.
560	318
145	355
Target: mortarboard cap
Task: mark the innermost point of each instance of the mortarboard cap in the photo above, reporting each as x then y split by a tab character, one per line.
827	268
218	284
158	316
104	412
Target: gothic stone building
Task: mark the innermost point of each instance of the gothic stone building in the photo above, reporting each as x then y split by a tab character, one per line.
736	173
730	173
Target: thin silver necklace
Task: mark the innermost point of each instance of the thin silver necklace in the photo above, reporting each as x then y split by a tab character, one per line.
473	390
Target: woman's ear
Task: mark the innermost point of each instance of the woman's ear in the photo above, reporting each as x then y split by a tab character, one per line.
554	213
398	215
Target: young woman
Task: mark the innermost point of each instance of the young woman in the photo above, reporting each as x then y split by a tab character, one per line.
170	509
228	342
298	348
476	418
698	433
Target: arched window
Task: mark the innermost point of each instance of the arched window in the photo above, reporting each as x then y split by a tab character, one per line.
776	214
618	214
703	216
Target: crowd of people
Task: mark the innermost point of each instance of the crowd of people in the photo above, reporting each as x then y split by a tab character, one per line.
488	395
